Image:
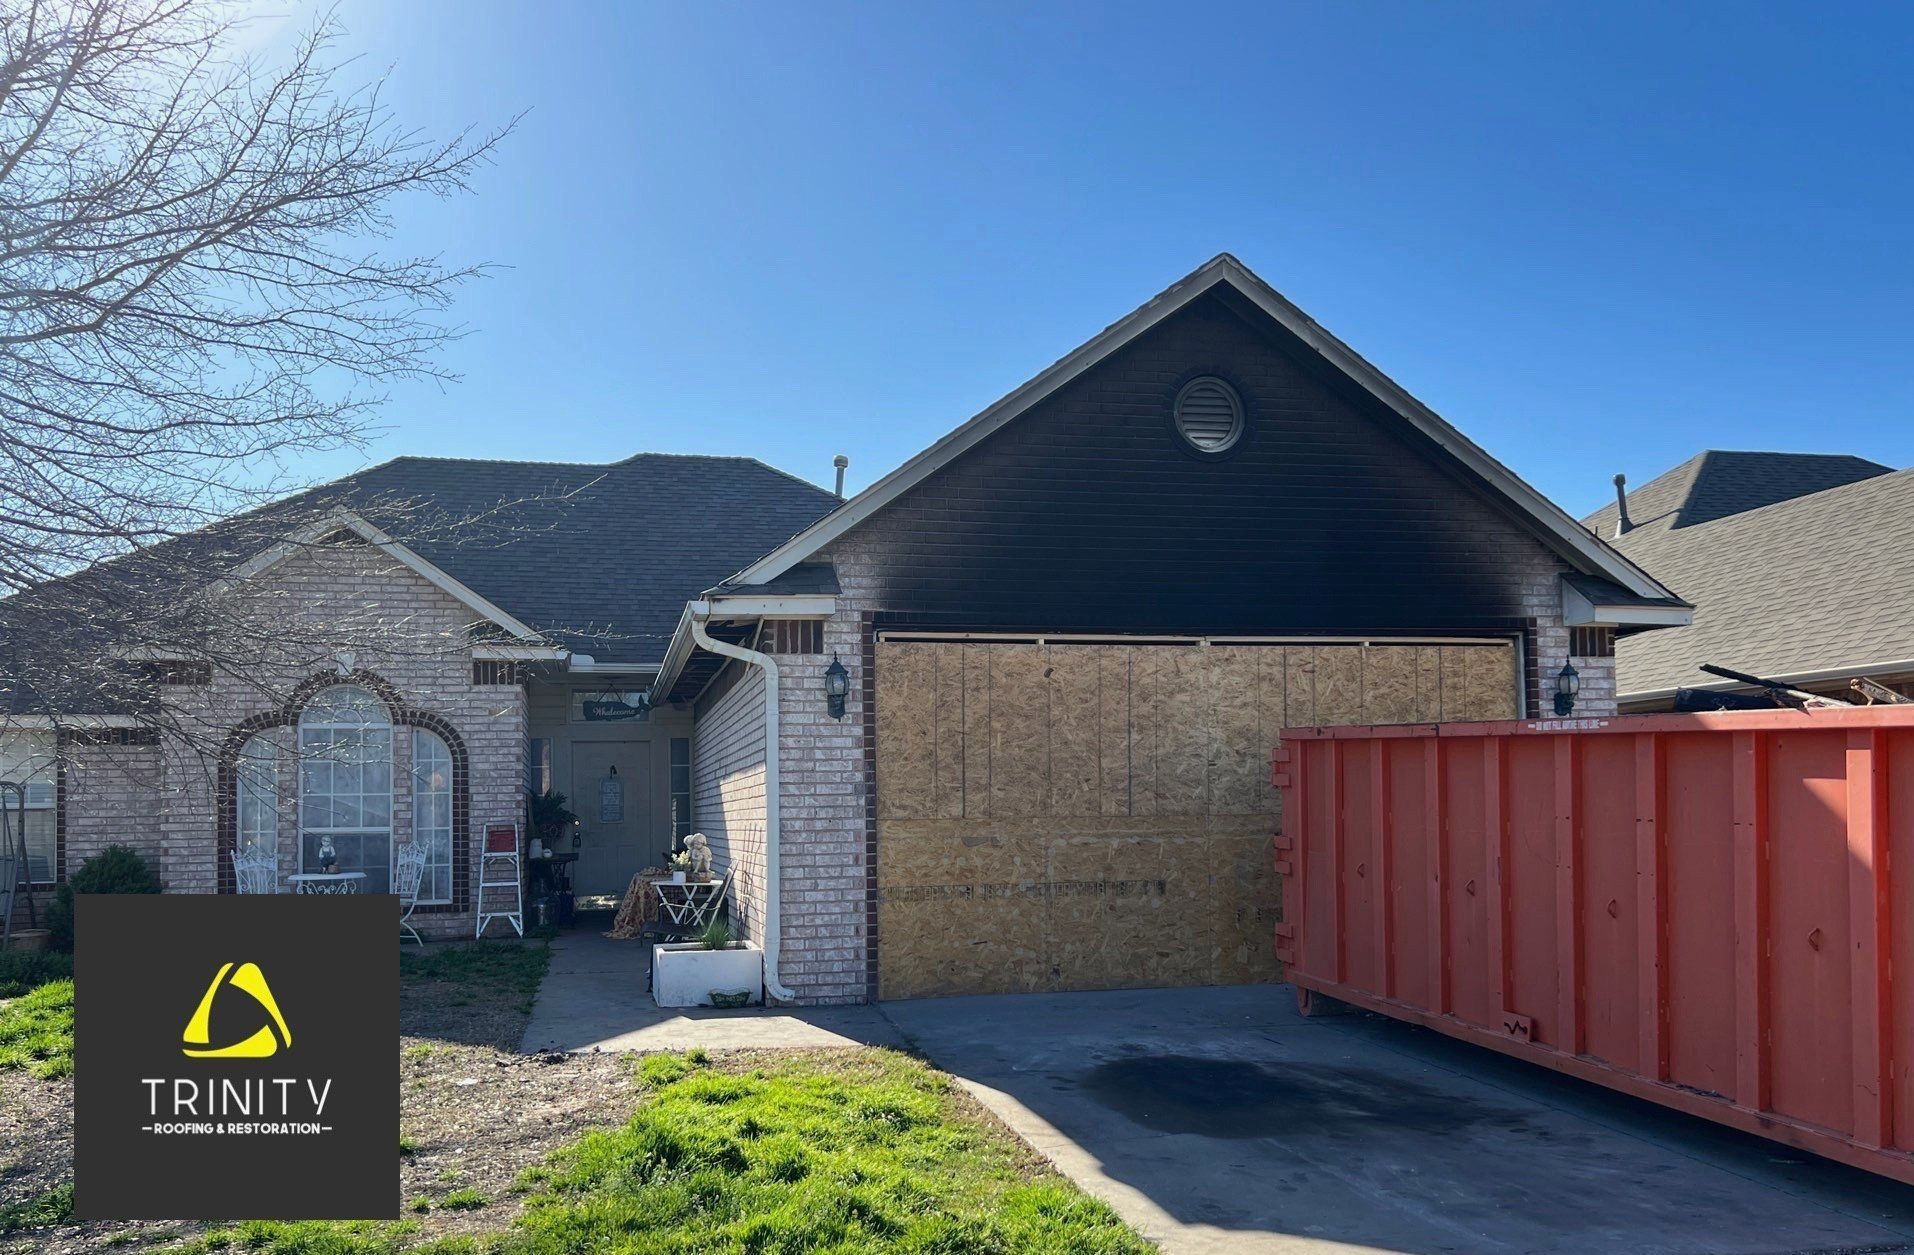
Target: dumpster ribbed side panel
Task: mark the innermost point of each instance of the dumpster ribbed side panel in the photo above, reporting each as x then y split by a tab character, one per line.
1696	909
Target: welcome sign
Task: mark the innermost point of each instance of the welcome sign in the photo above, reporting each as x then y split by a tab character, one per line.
235	1057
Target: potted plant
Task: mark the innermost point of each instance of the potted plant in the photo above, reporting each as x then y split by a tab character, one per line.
548	817
680	866
712	971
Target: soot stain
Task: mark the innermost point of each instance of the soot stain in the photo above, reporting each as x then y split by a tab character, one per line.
1237	1099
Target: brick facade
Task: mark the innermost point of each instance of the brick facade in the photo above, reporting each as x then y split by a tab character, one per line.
172	798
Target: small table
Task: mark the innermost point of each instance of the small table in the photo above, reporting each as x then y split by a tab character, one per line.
688	903
326	882
553	872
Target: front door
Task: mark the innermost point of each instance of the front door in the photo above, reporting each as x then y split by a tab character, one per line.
611	794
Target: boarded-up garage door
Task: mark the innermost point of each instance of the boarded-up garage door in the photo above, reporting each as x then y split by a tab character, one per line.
1074	816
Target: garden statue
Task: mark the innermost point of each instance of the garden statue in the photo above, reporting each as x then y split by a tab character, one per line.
700	851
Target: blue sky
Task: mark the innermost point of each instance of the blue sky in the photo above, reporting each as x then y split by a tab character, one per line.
1595	238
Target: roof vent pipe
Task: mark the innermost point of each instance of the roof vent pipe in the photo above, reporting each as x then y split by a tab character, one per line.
840	462
1622	523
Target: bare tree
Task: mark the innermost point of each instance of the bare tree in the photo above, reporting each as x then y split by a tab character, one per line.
189	288
193	293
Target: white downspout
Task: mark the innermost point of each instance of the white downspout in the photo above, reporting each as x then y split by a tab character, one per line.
774	882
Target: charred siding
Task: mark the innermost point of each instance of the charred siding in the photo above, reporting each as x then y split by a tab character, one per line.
1090	514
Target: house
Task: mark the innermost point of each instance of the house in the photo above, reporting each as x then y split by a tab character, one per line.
1796	563
1000	722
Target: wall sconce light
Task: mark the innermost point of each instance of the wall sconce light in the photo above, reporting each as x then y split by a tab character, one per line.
837	686
1568	682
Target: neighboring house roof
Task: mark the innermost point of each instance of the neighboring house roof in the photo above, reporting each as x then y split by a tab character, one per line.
599	558
1716	483
1585	552
1816	584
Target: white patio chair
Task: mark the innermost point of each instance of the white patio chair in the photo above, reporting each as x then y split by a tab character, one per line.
408	871
256	870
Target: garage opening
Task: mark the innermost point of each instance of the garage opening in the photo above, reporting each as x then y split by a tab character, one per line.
1060	814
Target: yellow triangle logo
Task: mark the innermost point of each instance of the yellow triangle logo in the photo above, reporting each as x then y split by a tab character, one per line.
262	1044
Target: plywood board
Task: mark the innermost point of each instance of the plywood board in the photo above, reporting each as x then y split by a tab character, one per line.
1020	740
1339	684
1388	684
1069	816
947	739
1238	753
1116	793
976	715
1075	711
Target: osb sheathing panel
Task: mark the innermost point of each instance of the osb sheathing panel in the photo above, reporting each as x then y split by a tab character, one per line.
1056	817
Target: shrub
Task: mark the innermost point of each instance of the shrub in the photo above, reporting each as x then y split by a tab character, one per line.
116	869
22	971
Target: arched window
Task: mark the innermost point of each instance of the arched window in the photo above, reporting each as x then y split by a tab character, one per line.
256	781
432	813
345	785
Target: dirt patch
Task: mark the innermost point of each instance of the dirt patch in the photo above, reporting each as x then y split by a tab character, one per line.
471	1119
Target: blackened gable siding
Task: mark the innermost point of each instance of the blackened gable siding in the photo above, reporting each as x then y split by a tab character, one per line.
1090	514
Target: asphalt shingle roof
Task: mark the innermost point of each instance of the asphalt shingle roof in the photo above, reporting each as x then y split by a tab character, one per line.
1806	580
617	549
1719	482
601	558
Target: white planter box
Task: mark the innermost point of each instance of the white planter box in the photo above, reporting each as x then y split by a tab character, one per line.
685	974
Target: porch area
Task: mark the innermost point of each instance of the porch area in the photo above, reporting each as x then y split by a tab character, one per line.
596	997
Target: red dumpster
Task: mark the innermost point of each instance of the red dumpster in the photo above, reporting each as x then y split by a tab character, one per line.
1696	909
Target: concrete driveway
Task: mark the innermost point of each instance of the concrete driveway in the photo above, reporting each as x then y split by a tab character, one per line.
1219	1120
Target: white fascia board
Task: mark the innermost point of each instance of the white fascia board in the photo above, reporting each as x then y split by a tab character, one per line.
680	648
520	653
465	595
585	664
1570	535
753	606
1579	611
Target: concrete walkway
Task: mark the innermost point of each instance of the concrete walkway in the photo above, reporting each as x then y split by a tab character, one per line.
595	998
1218	1120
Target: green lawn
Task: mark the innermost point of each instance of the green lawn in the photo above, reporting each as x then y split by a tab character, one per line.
36	1027
827	1151
503	969
36	1031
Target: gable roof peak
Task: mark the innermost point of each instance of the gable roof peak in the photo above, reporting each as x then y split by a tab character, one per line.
1548	521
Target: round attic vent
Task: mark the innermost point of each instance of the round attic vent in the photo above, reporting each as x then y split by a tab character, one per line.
1209	414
